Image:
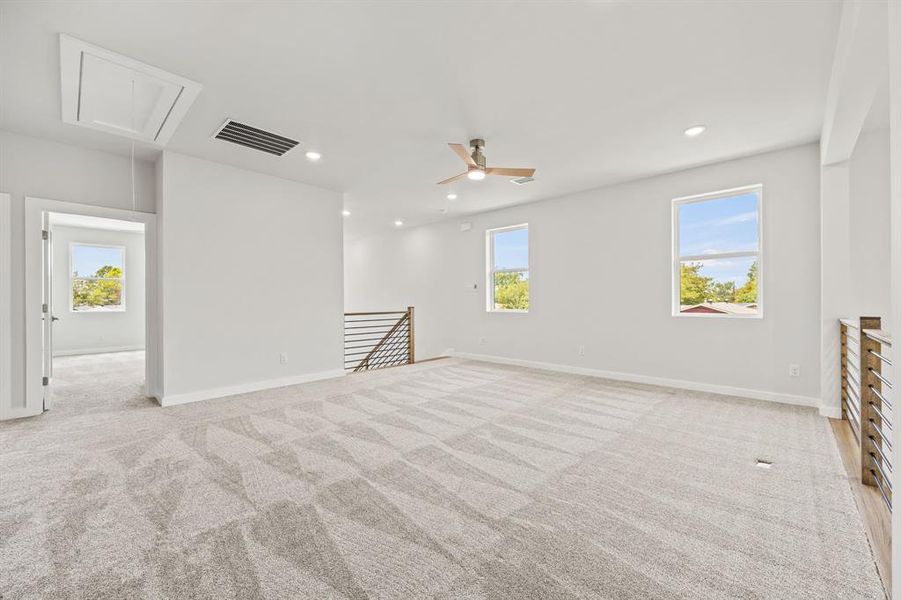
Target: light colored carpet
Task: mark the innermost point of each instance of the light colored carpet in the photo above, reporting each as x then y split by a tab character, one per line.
98	383
448	479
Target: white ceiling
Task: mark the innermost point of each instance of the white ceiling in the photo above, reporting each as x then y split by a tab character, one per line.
588	93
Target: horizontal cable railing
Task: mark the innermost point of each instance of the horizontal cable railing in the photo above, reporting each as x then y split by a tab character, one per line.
376	340
866	352
850	376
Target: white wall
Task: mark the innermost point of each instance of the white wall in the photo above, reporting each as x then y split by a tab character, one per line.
855	251
894	39
43	169
601	277
870	227
251	267
92	332
836	299
416	267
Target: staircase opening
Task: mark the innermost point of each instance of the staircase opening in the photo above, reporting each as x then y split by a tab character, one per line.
378	340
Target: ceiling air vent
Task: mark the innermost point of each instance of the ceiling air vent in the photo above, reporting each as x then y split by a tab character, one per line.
522	180
251	137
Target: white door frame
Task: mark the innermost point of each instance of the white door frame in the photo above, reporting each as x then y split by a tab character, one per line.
5	306
34	210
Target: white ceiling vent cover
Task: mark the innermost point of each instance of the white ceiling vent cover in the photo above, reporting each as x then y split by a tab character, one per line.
251	137
109	92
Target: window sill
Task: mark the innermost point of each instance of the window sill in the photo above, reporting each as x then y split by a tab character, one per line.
714	316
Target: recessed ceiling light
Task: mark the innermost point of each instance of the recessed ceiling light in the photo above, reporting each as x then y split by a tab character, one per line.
345	213
476	174
398	223
452	196
695	130
313	155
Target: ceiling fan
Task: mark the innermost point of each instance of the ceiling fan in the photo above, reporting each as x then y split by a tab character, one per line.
475	164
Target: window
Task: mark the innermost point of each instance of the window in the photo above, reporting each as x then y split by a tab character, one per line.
98	278
716	254
508	269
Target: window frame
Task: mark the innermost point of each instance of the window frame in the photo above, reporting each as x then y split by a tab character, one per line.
677	259
73	278
490	270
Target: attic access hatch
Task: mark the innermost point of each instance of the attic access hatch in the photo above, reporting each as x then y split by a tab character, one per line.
109	92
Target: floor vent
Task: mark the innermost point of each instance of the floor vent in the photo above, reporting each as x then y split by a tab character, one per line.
522	180
763	464
251	137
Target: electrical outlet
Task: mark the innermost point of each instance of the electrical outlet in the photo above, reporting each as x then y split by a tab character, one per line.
794	370
283	358
581	350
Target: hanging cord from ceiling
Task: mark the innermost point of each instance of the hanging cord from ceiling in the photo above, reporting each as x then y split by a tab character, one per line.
134	200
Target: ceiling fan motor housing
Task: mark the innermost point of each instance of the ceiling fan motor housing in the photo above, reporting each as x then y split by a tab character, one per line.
479	158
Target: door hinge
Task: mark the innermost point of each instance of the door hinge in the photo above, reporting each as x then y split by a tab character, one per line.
45	235
45	381
45	308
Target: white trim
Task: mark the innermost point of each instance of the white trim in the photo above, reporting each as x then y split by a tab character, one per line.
16	413
71	55
718	255
34	210
735	191
695	386
244	388
490	270
6	409
677	259
830	412
107	350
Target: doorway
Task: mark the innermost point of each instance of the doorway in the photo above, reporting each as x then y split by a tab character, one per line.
95	326
89	282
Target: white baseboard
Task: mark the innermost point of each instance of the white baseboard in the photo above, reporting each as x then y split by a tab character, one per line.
106	350
831	412
244	388
650	380
8	414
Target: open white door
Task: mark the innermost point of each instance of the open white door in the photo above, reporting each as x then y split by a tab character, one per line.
38	337
47	308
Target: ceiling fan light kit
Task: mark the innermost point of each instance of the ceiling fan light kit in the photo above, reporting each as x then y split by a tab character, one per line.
476	166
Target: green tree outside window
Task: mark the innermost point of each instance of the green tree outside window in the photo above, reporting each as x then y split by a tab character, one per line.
697	289
511	291
101	290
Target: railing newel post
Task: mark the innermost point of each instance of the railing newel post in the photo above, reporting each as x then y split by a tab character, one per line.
870	422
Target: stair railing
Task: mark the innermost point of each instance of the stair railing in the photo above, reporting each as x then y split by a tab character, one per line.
377	340
866	393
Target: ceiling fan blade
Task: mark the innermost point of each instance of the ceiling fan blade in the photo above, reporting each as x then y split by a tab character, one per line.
510	172
454	178
463	153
